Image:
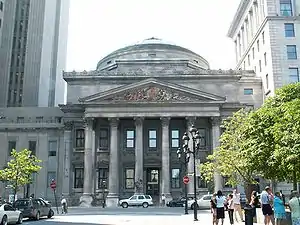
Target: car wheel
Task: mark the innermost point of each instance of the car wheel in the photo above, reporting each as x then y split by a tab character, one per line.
37	216
124	205
50	213
20	219
4	220
145	205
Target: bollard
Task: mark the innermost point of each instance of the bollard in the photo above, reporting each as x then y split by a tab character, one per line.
249	213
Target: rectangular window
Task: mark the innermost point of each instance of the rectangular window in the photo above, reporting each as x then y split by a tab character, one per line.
129	178
289	30
79	138
32	147
291	51
257	44
51	176
152	139
11	145
286	8
201	183
249	60
202	133
253	53
78	177
175	183
20	119
130	138
1	6
52	148
263	37
175	138
259	64
267	81
265	58
248	91
293	75
103	178
103	139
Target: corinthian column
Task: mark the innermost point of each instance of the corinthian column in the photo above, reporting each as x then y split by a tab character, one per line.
139	156
165	121
67	159
190	122
86	199
112	198
216	133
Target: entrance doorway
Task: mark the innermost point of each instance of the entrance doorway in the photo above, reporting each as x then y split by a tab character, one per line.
153	183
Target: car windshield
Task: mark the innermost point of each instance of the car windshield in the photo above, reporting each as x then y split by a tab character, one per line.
22	203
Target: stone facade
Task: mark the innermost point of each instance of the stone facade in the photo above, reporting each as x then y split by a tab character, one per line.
124	121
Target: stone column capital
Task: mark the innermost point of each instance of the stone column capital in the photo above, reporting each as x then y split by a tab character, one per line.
68	125
165	121
191	120
114	122
138	121
215	121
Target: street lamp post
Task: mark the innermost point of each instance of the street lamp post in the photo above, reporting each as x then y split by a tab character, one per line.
195	147
103	193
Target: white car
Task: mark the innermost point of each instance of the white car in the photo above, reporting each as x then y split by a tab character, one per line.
9	215
203	202
137	200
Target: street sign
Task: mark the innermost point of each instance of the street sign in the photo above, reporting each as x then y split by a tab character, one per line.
53	184
186	179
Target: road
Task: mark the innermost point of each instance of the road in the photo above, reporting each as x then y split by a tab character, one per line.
129	216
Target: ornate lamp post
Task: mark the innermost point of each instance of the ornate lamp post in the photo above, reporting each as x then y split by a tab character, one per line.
184	156
195	147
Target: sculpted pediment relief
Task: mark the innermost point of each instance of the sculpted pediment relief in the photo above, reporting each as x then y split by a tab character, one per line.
152	90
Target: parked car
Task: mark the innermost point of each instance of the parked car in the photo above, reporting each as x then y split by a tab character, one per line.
137	200
202	203
34	208
178	202
8	214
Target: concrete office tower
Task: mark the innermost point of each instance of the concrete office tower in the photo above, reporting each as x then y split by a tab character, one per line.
1	17
33	53
266	34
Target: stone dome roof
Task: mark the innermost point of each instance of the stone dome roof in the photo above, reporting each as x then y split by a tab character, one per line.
152	49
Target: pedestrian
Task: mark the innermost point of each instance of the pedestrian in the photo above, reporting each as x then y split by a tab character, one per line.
221	201
266	201
163	200
230	206
294	205
237	205
254	203
213	208
279	209
64	205
282	197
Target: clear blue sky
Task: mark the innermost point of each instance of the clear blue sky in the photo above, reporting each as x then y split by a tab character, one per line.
98	27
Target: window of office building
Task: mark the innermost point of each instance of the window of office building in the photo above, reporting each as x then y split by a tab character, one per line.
265	58
175	183
152	139
289	30
257	44
78	177
130	138
32	147
102	178
291	51
248	91
294	75
259	64
267	81
52	148
175	138
79	138
286	8
129	178
103	139
11	145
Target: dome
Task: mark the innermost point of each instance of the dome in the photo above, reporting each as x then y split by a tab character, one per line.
152	49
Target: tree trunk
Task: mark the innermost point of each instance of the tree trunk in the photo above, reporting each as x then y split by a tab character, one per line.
249	188
295	179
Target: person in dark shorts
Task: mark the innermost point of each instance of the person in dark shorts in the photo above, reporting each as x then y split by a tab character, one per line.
213	208
266	199
220	200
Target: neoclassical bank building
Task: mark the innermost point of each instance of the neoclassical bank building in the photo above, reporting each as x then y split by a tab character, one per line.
122	124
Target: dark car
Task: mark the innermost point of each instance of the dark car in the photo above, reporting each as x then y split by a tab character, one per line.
178	202
34	208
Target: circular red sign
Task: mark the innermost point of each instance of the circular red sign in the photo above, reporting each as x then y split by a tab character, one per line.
53	185
186	179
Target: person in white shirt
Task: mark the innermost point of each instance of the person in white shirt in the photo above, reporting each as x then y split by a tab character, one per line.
163	200
64	205
237	205
220	200
266	199
230	208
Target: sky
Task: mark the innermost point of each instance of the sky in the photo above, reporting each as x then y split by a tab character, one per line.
98	27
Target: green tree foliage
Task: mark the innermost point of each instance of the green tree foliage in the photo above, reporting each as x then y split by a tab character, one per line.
20	168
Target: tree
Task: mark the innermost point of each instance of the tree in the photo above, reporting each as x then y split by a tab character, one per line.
230	159
19	169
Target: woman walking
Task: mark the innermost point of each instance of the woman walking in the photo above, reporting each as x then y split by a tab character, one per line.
220	200
279	209
230	208
213	208
294	205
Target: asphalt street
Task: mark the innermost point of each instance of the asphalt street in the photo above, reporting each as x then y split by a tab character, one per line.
120	216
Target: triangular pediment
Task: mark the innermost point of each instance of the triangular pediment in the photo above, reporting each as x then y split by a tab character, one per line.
152	90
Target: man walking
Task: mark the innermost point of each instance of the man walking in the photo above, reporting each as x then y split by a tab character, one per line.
237	205
266	200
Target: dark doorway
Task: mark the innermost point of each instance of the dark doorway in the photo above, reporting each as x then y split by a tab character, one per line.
153	183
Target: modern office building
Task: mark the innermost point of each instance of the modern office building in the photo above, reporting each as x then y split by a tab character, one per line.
1	17
266	34
33	52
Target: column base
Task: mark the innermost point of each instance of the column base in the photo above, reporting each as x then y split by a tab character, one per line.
112	201
86	200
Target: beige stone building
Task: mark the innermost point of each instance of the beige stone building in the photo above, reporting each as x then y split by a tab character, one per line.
123	123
